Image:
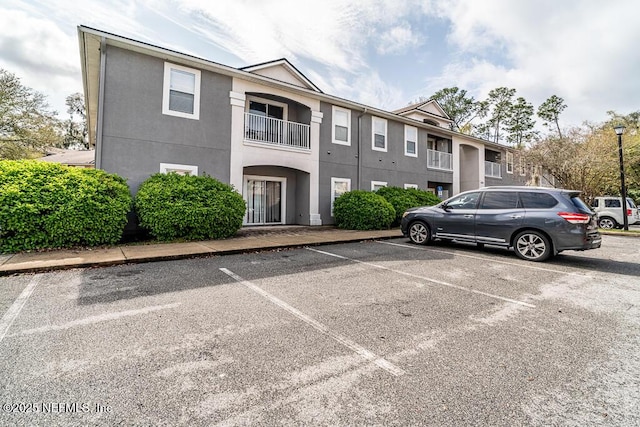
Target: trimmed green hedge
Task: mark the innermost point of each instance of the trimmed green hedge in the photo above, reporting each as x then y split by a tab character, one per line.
404	198
362	210
173	206
47	205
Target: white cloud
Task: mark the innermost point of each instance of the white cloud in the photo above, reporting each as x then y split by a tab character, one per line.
581	51
40	54
397	39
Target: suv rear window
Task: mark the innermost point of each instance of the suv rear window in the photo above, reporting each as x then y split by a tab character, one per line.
578	203
533	200
612	203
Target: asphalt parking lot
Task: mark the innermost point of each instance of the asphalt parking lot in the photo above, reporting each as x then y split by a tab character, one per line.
370	333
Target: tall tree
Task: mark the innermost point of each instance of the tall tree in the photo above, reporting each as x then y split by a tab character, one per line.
520	124
76	126
458	105
27	125
499	103
550	111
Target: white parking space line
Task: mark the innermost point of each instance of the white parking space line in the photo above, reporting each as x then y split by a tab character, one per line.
15	309
99	318
427	279
529	266
358	349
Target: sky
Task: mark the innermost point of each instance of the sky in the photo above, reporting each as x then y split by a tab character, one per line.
382	53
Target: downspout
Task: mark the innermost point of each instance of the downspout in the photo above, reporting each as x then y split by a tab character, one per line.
359	156
103	67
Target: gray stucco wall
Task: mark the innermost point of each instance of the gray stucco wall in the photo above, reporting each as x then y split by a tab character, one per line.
392	167
137	137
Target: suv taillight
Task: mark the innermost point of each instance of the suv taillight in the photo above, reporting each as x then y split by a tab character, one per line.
628	212
575	218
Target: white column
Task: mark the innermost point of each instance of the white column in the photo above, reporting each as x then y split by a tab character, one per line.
314	176
456	165
237	101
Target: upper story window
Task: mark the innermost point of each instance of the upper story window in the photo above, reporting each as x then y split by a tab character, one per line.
181	91
410	141
379	134
264	108
509	162
341	132
523	167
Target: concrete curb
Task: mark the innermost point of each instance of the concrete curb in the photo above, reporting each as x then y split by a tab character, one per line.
53	261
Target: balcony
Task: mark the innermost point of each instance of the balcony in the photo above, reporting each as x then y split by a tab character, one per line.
439	160
281	133
493	170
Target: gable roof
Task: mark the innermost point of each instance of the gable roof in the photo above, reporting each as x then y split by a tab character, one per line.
423	107
282	70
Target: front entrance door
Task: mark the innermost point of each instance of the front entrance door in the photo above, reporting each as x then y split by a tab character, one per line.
265	200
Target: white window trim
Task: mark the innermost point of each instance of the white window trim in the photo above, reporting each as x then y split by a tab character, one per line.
333	126
285	107
172	167
378	183
373	134
406	186
283	196
334	181
166	87
509	162
406	139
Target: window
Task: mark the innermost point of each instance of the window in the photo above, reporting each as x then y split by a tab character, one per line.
378	134
263	108
499	200
612	203
179	169
523	167
181	92
376	185
509	162
339	186
411	186
537	200
464	201
410	141
341	132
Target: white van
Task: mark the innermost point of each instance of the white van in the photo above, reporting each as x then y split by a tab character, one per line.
609	210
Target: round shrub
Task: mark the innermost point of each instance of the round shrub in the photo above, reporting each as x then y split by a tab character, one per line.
404	198
362	210
47	205
173	206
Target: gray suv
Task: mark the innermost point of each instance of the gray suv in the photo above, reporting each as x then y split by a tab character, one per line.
536	222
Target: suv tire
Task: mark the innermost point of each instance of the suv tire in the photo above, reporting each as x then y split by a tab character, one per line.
532	246
419	233
607	223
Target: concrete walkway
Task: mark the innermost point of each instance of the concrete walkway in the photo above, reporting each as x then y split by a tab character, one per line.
246	240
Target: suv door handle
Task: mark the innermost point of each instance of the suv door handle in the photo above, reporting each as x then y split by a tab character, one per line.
468	216
516	216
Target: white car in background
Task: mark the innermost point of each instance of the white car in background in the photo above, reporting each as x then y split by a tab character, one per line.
609	210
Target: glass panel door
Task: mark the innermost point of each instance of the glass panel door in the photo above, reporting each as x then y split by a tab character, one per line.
264	202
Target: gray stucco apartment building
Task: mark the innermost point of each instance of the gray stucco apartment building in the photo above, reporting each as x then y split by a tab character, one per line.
286	146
